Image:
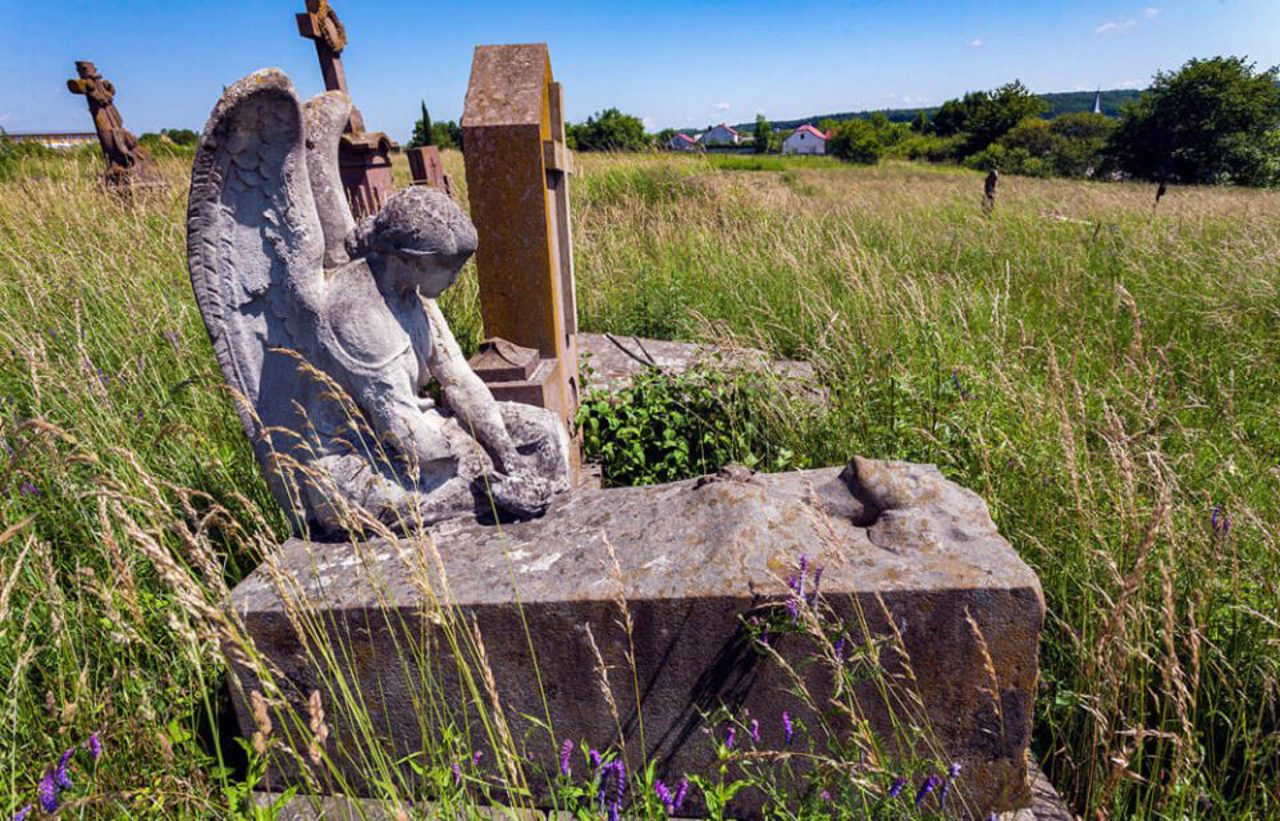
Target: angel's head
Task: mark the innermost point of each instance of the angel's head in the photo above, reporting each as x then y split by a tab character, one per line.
420	239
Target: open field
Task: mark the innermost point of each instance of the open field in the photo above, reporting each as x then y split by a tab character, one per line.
1106	375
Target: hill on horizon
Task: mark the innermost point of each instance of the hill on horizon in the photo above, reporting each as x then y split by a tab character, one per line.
1060	102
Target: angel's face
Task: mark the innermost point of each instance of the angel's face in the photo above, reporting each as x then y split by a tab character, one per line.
430	274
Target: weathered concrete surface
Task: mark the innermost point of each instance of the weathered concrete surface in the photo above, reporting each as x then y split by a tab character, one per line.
615	360
904	552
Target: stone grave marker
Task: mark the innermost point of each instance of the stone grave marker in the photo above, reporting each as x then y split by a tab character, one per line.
426	168
518	182
128	163
911	562
363	156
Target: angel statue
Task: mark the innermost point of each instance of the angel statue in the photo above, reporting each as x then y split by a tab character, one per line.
329	335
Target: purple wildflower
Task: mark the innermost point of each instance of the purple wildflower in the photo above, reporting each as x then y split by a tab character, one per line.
457	773
788	729
953	772
681	791
665	797
930	784
29	489
566	750
613	812
729	737
755	731
95	746
620	778
21	815
475	759
594	755
817	579
839	649
896	789
826	796
47	792
60	776
1220	520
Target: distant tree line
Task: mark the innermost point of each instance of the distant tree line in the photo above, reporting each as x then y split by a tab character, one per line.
1212	121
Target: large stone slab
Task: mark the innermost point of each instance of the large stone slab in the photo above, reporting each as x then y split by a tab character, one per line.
911	557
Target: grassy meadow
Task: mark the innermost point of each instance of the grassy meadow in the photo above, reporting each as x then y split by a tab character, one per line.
1104	373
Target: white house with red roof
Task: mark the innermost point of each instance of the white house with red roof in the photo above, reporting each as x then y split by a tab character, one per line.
806	140
721	135
682	142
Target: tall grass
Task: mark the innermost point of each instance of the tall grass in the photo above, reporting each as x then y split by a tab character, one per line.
1103	373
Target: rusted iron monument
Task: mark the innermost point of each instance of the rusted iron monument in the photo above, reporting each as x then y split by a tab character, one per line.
127	162
426	168
518	182
364	157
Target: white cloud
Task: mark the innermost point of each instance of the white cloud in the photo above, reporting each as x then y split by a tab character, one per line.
976	43
6	115
1112	26
647	120
1151	12
723	106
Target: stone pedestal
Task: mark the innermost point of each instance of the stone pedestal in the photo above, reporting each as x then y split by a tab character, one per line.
913	559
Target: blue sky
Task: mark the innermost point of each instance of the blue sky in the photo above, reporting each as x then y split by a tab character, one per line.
686	64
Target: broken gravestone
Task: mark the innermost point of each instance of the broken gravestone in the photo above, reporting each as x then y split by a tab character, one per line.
910	563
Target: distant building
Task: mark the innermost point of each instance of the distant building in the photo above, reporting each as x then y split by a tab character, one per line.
56	139
721	135
806	140
682	142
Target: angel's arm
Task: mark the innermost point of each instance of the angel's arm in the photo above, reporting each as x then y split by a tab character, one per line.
391	406
465	394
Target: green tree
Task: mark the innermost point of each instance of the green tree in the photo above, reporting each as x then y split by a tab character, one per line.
763	135
181	136
1080	147
856	141
998	112
423	133
921	123
1211	121
663	137
447	134
609	130
954	115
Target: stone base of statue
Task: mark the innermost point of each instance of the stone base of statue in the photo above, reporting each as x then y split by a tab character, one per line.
515	373
912	566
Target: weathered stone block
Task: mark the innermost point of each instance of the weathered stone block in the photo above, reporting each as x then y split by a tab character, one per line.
905	553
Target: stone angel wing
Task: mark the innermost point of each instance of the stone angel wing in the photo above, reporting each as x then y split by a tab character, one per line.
256	247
